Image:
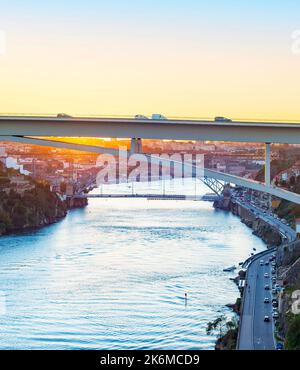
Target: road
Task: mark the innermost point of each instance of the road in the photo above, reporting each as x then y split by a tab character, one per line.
255	334
284	229
172	129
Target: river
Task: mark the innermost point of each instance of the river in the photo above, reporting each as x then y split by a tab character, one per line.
114	276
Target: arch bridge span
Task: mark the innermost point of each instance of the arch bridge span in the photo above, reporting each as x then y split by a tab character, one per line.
213	179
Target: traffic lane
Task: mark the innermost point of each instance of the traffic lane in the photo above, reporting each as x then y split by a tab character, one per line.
263	331
275	222
280	224
271	219
254	332
246	330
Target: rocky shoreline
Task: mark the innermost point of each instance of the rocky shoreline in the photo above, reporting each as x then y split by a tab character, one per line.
288	264
260	228
270	235
41	219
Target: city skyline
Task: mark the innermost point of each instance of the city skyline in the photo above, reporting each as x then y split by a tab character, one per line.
179	58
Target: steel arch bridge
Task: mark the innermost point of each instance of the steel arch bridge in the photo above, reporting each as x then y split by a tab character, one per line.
213	179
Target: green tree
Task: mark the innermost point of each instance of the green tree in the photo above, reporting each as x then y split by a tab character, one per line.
218	325
293	334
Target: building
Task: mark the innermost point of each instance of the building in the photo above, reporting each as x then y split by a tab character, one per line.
2	152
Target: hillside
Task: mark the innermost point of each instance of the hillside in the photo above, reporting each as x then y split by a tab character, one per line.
25	203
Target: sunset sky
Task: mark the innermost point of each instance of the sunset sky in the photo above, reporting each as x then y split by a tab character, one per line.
187	58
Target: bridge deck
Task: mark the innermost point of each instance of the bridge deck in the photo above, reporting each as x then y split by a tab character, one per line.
209	198
227	178
273	132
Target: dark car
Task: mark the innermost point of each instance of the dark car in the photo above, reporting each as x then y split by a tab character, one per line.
279	346
222	119
63	115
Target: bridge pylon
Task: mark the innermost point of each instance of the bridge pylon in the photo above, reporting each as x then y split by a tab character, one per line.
136	146
268	165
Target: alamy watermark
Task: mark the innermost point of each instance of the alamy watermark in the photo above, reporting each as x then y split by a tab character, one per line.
3	43
147	167
296	42
296	302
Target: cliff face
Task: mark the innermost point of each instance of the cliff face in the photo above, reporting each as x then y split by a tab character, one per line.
288	262
77	202
266	232
35	208
26	203
287	254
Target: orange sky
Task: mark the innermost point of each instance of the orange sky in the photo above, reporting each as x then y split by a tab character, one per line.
182	59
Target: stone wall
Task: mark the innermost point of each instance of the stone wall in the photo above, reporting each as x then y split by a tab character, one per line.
287	254
270	235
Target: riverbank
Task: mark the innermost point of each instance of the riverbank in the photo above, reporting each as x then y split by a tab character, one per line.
288	261
266	232
261	228
42	220
74	202
33	210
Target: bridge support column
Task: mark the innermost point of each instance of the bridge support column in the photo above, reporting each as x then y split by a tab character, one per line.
268	165
136	146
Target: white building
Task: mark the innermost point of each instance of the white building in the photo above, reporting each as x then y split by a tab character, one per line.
13	163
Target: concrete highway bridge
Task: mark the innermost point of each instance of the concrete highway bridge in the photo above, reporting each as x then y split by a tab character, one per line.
29	129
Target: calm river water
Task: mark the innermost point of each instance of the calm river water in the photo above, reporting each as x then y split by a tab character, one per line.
114	275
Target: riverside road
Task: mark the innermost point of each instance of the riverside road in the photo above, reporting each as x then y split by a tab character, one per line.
283	229
255	333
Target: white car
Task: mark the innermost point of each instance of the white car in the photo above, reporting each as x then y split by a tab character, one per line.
275	315
157	116
266	275
261	262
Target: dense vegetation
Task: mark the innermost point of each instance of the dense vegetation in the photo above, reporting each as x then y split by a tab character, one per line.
289	211
226	332
34	208
293	335
277	166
